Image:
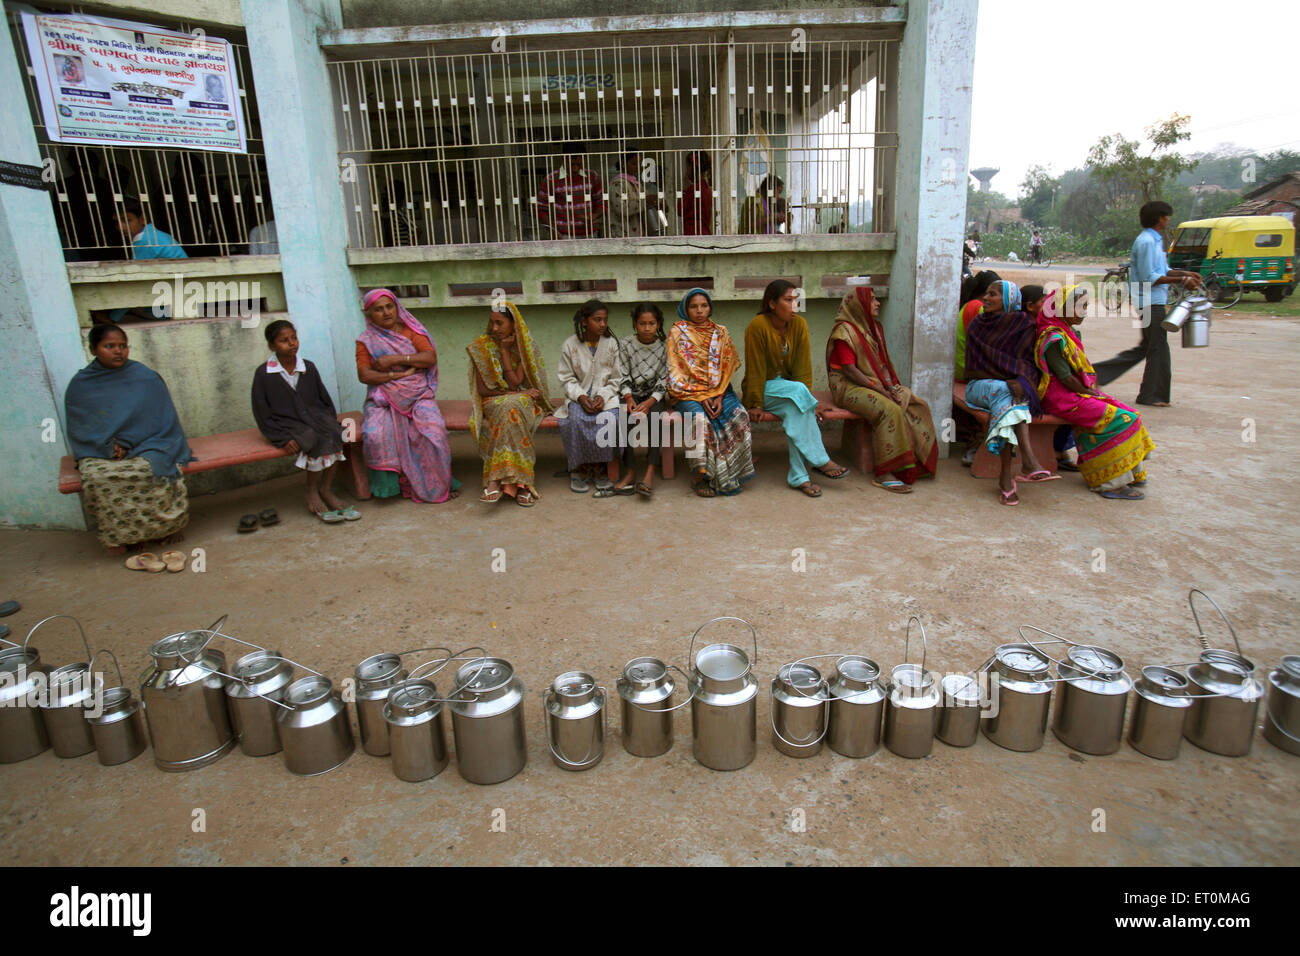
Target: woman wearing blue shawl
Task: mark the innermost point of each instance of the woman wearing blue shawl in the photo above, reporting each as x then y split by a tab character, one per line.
129	445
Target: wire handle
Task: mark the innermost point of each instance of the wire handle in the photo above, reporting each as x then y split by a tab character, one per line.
771	713
1038	645
52	617
1200	634
690	653
587	759
669	710
907	639
118	667
415	677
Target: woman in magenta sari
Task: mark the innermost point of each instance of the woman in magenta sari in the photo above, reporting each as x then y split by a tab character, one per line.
405	438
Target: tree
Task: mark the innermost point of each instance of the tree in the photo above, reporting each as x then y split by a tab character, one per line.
1037	196
978	205
1139	178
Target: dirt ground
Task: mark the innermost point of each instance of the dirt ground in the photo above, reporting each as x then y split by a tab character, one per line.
590	584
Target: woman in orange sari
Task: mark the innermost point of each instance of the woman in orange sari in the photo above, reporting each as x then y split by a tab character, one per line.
863	380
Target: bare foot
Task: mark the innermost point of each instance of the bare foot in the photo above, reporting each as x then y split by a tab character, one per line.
334	502
315	504
453	494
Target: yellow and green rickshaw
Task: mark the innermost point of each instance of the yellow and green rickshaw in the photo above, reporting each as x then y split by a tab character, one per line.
1236	254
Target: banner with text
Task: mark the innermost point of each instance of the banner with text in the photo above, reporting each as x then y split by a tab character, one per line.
117	83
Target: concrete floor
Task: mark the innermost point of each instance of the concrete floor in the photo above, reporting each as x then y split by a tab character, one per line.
590	584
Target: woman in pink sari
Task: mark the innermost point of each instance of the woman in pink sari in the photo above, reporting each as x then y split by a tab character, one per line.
405	438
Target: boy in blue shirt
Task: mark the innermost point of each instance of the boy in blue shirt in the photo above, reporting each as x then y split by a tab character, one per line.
147	240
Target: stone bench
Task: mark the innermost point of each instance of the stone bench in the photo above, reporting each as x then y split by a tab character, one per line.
1041	430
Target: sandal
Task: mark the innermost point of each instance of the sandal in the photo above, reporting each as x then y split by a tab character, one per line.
331	517
1042	474
1009	497
145	562
350	514
700	485
809	489
644	490
247	523
490	496
606	493
525	499
894	485
174	561
833	474
9	607
1064	464
268	518
578	484
1123	494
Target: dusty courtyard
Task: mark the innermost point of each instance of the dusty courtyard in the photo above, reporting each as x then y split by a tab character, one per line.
590	584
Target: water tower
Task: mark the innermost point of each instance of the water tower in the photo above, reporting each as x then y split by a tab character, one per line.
985	175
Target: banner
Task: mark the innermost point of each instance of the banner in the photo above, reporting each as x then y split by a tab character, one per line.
117	83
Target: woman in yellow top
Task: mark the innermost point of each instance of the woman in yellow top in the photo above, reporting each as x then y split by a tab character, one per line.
778	380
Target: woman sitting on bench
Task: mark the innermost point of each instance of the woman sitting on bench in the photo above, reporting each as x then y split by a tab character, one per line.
405	438
130	448
863	380
1110	436
1002	379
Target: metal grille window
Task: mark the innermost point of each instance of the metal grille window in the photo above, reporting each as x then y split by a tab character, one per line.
713	137
208	202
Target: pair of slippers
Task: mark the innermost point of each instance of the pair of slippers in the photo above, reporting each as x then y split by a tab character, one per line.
173	561
7	608
249	522
342	514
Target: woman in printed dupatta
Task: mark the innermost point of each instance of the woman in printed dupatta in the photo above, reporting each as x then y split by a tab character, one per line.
129	445
508	382
701	361
1002	379
1110	436
405	438
864	381
778	380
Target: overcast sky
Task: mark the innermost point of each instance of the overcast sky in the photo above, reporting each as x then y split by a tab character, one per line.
1053	76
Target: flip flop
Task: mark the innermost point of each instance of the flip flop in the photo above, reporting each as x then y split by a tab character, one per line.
644	490
490	496
809	489
1123	494
1066	465
579	485
1006	496
9	607
525	499
894	485
1138	484
331	517
839	474
268	517
605	493
603	484
247	523
625	490
174	560
350	514
145	562
1042	474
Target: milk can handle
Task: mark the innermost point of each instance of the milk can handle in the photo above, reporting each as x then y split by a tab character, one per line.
546	727
440	661
1058	679
104	650
269	657
1205	645
451	699
771	713
85	642
907	638
214	630
669	710
690	653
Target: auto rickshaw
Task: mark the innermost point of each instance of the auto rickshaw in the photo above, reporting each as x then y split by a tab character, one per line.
1236	254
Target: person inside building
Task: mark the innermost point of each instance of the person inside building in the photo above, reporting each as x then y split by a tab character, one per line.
766	212
570	201
508	383
589	374
863	380
130	448
695	208
701	362
627	208
778	380
405	438
147	240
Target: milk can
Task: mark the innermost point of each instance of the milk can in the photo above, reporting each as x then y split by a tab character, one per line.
1176	318
375	677
646	690
1226	694
1020	691
258	681
487	721
959	710
115	721
314	728
857	703
912	704
575	720
797	702
724	711
414	729
184	700
70	693
23	681
1091	700
1282	716
1160	709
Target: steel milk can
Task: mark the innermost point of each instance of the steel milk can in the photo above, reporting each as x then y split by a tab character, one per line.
487	721
959	710
23	681
1159	712
857	704
184	701
646	690
575	720
1021	690
1226	694
912	705
724	702
258	681
69	692
314	728
375	677
118	728
416	736
1091	700
797	702
1282	712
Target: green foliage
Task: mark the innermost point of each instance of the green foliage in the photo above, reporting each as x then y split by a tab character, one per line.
979	204
1058	244
1119	162
1037	193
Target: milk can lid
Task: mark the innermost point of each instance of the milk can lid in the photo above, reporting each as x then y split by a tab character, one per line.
574	684
256	665
14	658
187	644
802	676
379	667
645	670
412	696
1022	658
307	690
1291	665
1164	677
484	674
1096	661
857	669
960	687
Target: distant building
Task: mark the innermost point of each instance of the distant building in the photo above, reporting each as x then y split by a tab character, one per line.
1281	197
